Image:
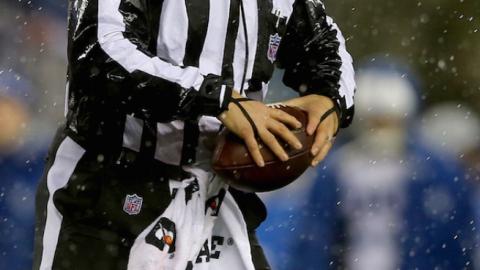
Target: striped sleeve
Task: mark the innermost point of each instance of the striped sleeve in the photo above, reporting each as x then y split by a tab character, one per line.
315	58
158	89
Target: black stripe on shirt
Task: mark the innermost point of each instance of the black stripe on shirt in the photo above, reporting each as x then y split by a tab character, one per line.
198	16
229	50
154	23
136	26
269	24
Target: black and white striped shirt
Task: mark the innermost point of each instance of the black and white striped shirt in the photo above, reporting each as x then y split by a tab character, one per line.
141	71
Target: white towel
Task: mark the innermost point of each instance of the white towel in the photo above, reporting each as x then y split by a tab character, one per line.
201	229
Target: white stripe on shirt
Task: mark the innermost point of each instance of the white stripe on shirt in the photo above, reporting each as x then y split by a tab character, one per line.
124	52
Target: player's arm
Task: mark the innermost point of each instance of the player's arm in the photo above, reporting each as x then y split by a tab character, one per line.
318	66
146	85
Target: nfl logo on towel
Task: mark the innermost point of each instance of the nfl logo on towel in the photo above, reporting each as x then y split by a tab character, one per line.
133	204
273	45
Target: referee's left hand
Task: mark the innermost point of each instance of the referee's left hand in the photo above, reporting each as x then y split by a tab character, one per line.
316	106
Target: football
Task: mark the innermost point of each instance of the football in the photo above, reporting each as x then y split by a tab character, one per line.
232	161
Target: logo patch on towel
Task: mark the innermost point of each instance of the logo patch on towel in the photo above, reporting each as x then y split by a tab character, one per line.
133	204
163	235
273	45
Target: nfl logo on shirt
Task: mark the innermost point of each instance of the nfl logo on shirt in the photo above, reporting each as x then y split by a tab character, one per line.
273	45
133	204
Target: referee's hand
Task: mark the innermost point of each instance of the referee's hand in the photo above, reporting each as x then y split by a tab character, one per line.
270	122
316	106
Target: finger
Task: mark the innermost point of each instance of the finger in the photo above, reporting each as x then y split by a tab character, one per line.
336	121
332	120
254	149
273	144
321	138
322	154
285	118
313	122
325	131
315	118
283	132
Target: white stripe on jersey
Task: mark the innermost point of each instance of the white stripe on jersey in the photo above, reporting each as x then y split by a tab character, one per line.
132	134
211	58
169	142
347	80
68	155
251	13
173	32
110	36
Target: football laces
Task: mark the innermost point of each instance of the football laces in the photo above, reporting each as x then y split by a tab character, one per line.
277	105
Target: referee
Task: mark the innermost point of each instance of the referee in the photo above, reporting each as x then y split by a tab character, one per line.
149	84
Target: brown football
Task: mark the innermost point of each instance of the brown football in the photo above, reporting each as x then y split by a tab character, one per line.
232	161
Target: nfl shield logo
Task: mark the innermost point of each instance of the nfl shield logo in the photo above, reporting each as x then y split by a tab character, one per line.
133	204
273	45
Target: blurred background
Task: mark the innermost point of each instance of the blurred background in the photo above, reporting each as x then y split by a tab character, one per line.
399	191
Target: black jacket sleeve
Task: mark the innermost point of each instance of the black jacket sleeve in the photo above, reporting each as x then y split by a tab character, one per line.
315	59
112	46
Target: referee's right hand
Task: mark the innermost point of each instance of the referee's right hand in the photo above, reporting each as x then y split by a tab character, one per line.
269	122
